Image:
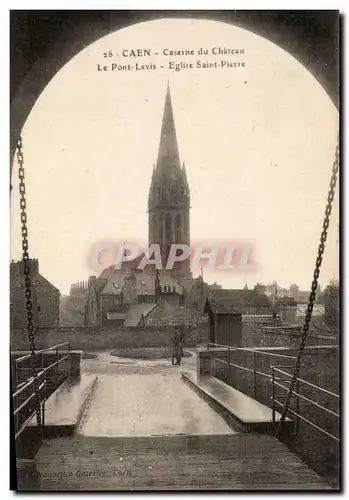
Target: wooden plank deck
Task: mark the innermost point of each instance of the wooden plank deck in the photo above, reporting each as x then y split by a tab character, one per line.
225	462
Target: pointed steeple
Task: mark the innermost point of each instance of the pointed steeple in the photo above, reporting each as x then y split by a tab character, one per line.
184	175
168	156
153	173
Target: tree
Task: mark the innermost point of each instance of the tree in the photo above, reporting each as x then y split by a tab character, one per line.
331	301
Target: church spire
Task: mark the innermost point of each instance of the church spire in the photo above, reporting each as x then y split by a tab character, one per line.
168	156
184	175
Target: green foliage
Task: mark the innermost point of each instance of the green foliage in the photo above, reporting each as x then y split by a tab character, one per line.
331	301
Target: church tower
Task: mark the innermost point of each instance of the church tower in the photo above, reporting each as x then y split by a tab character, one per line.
169	197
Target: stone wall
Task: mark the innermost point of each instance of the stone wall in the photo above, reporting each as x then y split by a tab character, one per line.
86	338
320	366
259	332
202	333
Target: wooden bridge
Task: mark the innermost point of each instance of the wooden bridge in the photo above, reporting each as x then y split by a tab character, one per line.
170	430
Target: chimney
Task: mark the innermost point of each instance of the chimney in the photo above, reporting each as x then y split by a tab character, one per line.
19	266
91	282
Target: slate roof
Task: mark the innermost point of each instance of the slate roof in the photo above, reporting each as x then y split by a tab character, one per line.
115	283
144	282
126	267
135	312
230	301
162	310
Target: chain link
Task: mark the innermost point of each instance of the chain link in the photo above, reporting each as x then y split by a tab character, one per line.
314	286
27	279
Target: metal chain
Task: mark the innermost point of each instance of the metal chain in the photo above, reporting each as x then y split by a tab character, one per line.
27	279
314	285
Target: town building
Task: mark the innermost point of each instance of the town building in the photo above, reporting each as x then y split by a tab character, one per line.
45	297
224	318
127	296
72	306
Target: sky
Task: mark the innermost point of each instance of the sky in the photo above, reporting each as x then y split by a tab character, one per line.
258	143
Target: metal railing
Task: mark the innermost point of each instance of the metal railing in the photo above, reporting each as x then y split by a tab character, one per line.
299	397
23	393
253	370
276	377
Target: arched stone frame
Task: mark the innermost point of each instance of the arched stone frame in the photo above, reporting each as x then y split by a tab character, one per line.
30	74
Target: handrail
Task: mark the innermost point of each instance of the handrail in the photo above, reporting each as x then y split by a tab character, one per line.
27	384
27	356
243	367
308	421
30	382
321	389
41	386
275	380
251	349
308	400
299	396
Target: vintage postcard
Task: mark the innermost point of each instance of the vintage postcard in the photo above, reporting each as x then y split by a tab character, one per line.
174	294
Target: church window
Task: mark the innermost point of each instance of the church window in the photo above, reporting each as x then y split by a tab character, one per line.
165	288
161	231
178	228
168	229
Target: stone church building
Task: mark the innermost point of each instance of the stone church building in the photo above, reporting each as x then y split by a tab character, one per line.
127	296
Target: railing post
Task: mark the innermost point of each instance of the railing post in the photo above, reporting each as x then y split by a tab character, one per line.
43	406
254	376
297	407
273	392
16	423
57	368
15	375
229	367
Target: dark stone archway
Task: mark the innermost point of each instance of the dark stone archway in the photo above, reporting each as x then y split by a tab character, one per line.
44	41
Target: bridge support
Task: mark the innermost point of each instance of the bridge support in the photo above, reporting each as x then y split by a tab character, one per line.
204	361
75	361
